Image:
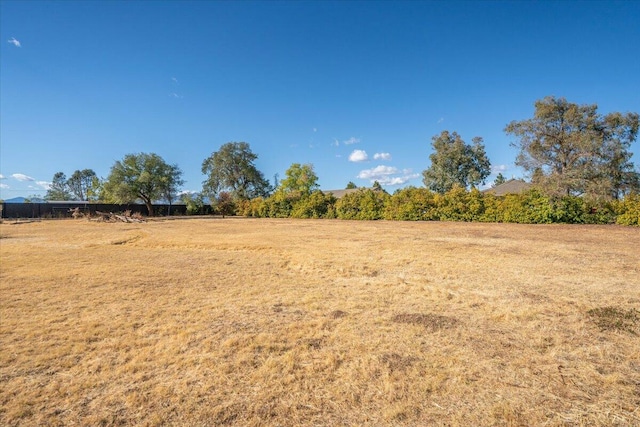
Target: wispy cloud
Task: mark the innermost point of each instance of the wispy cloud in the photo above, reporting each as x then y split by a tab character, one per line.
440	120
388	175
2	176
14	42
22	177
352	140
377	173
5	186
335	142
174	80
176	95
44	184
358	156
499	168
382	156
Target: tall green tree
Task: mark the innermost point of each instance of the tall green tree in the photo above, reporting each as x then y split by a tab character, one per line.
300	179
170	184
570	149
232	169
141	176
82	184
58	190
500	179
351	185
455	162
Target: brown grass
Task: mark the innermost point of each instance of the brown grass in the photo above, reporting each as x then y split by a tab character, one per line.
303	322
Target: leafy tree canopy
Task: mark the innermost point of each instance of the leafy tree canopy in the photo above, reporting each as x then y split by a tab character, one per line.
455	162
570	149
351	185
83	184
143	177
58	190
224	204
232	169
500	179
300	179
171	183
194	201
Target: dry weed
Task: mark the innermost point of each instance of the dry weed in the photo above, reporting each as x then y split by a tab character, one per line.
283	322
432	322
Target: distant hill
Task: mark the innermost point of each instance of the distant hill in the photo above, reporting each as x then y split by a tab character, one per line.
22	199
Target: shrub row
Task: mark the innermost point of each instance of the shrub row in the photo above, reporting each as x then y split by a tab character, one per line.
420	204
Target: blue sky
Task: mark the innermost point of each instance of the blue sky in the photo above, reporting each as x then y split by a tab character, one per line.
358	89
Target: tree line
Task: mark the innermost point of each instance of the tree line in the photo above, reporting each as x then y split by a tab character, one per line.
578	161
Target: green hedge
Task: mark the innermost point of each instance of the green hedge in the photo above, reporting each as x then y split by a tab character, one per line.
362	204
628	210
458	204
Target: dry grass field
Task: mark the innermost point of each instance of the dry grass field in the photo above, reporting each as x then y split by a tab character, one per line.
208	322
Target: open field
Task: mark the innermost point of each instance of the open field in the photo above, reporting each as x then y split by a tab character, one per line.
301	322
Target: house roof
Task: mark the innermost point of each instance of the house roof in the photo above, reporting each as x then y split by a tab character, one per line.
341	193
512	186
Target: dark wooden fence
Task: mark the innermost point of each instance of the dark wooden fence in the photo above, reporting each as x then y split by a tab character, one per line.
64	209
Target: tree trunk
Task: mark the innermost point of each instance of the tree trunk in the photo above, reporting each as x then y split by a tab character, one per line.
147	202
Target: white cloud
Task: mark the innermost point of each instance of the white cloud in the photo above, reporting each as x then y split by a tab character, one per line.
393	180
382	156
377	173
2	176
4	186
499	168
352	140
335	142
44	184
14	42
358	156
22	177
174	80
440	120
175	95
388	175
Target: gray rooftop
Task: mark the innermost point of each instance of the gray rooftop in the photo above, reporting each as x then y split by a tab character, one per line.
512	186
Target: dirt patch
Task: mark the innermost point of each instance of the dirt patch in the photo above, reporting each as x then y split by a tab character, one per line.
396	362
432	322
337	314
612	318
313	343
535	297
